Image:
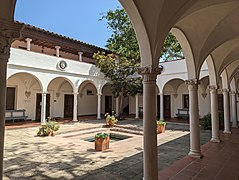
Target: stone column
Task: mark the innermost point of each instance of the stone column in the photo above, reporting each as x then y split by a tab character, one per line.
234	109
214	114
137	106
161	107
117	106
195	150
28	40
75	118
8	32
43	108
57	51
227	127
149	122
99	106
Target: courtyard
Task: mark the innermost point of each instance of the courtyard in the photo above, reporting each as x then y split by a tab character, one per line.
68	156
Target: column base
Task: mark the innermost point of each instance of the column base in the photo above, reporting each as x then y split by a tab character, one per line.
227	132
75	120
197	155
99	118
215	140
235	126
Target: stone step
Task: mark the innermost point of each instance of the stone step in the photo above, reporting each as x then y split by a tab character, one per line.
129	131
130	127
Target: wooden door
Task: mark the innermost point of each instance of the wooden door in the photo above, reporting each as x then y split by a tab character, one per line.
158	106
167	106
108	104
68	105
10	99
38	106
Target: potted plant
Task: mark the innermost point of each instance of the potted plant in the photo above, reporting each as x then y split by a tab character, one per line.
102	141
111	119
49	128
160	126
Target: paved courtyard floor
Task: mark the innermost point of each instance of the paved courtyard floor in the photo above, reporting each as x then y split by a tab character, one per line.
68	156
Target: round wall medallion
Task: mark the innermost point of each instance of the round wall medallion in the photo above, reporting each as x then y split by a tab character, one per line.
62	65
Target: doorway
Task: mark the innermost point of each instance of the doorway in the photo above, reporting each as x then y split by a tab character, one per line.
10	99
68	105
38	106
167	106
108	104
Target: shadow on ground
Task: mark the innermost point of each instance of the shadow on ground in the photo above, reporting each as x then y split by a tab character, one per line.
41	161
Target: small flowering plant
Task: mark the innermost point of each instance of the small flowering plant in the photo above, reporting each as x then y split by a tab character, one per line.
111	118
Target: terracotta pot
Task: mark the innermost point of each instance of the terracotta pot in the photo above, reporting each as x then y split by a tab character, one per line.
102	144
160	129
51	133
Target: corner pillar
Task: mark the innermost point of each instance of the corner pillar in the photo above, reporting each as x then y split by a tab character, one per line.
149	122
195	150
8	32
43	108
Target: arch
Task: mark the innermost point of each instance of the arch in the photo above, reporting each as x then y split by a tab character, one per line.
7	9
174	83
204	82
211	70
61	77
224	76
233	85
84	83
140	31
34	76
187	50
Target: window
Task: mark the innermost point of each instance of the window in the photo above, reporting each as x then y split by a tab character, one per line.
10	99
185	101
89	92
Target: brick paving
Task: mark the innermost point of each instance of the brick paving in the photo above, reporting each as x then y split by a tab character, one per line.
220	162
67	156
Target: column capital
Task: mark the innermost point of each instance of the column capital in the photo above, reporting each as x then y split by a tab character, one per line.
8	32
75	93
212	88
192	84
44	92
225	90
99	94
149	73
233	92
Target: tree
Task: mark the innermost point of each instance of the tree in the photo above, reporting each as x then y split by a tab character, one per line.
119	70
123	39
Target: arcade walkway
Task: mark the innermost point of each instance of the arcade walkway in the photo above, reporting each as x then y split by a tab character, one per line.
220	162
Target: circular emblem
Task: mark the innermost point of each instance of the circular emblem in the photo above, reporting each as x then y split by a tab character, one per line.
62	65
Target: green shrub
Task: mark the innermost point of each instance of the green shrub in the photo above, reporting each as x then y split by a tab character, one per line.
49	127
205	122
161	122
101	135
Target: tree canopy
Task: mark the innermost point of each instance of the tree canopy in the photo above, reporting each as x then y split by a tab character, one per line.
123	39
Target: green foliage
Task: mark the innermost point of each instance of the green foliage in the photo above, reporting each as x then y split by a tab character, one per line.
123	40
205	122
161	122
101	135
49	127
119	71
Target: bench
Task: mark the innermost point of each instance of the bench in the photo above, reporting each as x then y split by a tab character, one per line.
183	113
12	115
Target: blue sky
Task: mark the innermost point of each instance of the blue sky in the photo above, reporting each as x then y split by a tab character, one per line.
77	19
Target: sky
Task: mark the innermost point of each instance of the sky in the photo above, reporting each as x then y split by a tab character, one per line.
78	19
